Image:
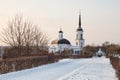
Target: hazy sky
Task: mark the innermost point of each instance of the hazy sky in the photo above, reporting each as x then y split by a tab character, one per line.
100	18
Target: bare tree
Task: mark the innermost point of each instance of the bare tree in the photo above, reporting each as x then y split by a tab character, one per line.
20	33
13	35
40	39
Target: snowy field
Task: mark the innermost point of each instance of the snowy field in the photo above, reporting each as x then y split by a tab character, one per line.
67	69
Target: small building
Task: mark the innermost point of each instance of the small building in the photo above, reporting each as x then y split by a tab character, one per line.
100	53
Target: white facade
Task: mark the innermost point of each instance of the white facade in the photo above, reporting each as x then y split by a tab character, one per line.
62	47
63	44
53	48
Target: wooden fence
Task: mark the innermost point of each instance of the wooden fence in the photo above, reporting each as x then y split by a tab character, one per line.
15	64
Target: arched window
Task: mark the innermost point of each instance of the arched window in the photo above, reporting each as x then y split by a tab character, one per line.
81	36
81	45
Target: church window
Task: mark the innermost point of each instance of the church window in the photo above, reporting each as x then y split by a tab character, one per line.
81	36
75	52
82	44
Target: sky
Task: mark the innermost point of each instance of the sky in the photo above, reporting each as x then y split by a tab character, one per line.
100	18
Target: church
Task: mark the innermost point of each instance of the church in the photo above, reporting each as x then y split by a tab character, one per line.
63	44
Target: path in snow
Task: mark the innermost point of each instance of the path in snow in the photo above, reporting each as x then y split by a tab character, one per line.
67	69
97	69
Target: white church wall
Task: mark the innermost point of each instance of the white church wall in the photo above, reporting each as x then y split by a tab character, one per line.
81	43
76	50
53	48
78	34
62	47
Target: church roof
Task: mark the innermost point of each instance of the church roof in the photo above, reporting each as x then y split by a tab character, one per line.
54	42
63	41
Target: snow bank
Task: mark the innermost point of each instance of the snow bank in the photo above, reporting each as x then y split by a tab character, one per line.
67	69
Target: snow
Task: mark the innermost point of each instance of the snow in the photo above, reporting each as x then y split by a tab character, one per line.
67	69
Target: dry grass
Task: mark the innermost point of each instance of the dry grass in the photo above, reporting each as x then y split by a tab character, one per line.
115	61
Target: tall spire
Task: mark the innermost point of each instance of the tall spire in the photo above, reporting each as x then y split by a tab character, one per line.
79	25
79	19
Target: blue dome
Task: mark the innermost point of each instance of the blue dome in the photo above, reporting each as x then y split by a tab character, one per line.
63	41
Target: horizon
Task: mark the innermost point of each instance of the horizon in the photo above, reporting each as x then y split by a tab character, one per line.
100	18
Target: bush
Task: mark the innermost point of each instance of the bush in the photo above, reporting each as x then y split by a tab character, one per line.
115	61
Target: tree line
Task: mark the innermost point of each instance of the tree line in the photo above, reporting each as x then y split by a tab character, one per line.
22	36
107	47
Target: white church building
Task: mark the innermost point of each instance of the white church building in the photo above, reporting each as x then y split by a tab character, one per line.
63	44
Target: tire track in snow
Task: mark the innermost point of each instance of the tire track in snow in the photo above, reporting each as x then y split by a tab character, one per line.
74	74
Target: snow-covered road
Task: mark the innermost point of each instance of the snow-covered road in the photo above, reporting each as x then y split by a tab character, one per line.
67	69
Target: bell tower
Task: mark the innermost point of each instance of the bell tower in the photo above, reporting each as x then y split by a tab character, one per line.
79	34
